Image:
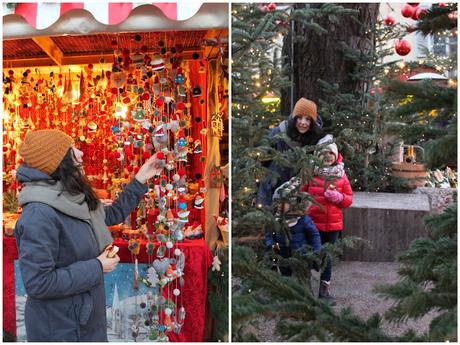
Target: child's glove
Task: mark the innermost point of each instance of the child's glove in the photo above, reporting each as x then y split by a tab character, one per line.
333	196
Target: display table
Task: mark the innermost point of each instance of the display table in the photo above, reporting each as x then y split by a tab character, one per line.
198	259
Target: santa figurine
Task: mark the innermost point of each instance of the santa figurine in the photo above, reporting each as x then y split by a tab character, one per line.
197	146
198	203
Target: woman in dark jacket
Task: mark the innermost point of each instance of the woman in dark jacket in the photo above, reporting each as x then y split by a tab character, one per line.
62	238
303	128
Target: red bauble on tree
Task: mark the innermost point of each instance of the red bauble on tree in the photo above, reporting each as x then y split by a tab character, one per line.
389	20
408	11
373	91
402	47
418	12
271	6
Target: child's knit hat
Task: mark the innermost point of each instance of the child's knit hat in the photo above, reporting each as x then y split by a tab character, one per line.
45	149
332	147
287	188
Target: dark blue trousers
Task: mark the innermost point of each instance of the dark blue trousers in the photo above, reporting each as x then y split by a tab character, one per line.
328	237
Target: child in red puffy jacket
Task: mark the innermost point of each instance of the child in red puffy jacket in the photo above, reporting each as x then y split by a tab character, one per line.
332	190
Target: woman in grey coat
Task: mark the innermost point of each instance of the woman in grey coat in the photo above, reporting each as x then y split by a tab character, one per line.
62	238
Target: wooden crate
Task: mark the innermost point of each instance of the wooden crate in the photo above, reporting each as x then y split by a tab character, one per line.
390	221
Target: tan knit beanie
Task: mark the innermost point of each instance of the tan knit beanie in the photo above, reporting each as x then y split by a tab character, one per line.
45	149
305	107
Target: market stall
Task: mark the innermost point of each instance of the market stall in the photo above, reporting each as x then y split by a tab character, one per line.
127	81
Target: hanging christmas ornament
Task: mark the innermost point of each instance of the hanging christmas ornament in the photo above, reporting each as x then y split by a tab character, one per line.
389	20
271	6
182	91
137	59
373	91
92	127
179	79
198	202
138	114
216	263
197	146
68	94
157	63
418	12
402	47
202	69
408	11
159	129
183	216
82	87
118	79
196	91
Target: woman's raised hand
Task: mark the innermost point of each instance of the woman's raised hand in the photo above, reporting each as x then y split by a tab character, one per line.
152	166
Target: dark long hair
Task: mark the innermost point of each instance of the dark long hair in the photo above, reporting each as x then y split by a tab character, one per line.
309	138
73	181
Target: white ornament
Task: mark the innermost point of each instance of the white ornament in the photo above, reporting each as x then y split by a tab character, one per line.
169	186
216	263
176	177
177	252
168	311
169	244
176	292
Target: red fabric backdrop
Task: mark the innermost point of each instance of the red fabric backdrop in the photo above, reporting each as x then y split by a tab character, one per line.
198	259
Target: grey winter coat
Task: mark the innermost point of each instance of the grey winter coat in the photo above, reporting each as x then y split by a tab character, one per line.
62	277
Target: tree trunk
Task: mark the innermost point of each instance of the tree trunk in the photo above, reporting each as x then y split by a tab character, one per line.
319	56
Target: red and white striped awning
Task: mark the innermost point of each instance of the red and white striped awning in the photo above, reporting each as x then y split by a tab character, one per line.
41	15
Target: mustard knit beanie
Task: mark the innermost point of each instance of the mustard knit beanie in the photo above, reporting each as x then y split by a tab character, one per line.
305	107
45	149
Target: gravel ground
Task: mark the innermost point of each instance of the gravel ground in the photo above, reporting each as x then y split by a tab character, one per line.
352	283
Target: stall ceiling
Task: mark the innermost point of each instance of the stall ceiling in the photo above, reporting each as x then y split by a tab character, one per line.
66	50
26	48
102	43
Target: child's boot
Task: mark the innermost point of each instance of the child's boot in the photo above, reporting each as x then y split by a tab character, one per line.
324	292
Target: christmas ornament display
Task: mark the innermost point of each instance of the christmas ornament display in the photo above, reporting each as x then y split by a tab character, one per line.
146	101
